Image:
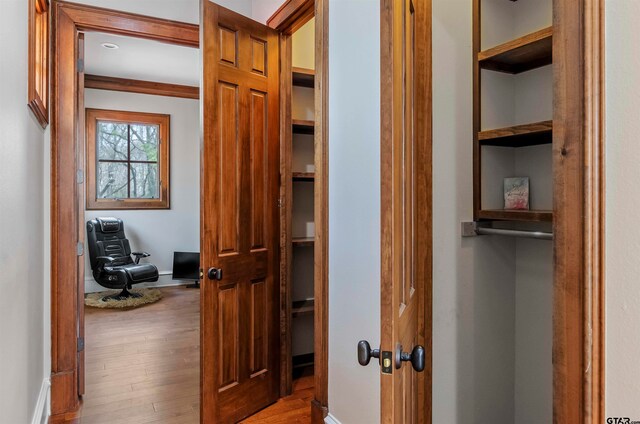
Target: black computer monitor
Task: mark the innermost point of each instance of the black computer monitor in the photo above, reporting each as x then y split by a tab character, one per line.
186	266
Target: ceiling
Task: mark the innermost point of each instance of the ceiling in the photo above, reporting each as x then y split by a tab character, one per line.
141	59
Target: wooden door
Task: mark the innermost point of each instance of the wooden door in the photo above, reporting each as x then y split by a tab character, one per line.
239	216
80	151
406	212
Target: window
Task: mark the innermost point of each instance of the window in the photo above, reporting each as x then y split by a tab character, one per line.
127	160
38	86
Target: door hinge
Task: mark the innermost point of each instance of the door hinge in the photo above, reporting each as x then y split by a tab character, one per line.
80	344
80	65
80	248
280	202
79	176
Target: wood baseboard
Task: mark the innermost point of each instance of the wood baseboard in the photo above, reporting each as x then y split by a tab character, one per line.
318	412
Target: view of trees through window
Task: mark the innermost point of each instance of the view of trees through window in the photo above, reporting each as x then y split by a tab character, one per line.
127	155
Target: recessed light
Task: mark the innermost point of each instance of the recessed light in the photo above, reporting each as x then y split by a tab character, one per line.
110	46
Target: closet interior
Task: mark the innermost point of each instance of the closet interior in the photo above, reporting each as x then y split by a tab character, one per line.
298	226
513	191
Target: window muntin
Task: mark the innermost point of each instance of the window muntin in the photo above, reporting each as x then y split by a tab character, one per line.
127	160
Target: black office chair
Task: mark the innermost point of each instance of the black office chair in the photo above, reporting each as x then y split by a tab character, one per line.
111	262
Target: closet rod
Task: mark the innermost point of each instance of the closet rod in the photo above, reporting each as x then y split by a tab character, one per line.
472	229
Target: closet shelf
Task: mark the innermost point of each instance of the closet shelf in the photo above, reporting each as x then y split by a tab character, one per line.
301	361
301	126
302	307
520	55
302	241
519	135
303	77
509	215
303	176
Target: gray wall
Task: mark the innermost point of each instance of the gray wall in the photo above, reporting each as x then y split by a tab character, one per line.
354	207
24	347
622	203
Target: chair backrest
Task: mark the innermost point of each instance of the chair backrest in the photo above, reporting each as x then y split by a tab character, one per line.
105	237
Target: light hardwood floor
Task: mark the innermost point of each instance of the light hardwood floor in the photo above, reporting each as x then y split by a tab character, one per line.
143	366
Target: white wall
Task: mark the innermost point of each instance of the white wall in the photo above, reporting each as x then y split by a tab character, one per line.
176	10
261	10
622	202
23	326
161	232
354	207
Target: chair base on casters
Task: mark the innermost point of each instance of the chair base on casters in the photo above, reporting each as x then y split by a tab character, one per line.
124	294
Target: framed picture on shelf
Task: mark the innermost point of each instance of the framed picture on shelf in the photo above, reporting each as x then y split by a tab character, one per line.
516	193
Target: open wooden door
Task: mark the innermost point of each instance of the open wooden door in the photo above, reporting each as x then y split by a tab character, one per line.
239	216
80	152
406	276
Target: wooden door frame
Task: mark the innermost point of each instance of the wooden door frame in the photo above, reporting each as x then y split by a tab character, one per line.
424	199
579	221
292	15
67	20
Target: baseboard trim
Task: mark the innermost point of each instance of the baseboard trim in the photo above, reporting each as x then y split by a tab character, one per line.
42	409
330	419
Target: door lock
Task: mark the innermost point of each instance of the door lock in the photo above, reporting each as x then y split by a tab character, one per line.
214	274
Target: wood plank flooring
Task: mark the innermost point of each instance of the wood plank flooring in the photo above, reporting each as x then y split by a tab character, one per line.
143	366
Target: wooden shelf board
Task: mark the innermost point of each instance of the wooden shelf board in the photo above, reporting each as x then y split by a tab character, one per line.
520	55
519	135
303	176
303	241
302	307
511	215
299	361
303	77
301	126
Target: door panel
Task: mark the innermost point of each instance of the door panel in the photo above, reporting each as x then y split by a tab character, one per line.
239	216
406	209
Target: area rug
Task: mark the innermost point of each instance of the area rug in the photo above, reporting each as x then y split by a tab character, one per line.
148	296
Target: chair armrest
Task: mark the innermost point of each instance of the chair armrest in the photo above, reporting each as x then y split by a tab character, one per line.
105	260
139	255
108	260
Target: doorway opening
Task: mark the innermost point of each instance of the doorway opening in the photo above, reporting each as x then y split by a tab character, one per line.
140	109
77	97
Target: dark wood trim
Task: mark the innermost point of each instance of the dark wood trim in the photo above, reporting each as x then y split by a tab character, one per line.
67	20
320	404
91	18
292	15
163	122
579	251
38	77
286	196
477	112
101	82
